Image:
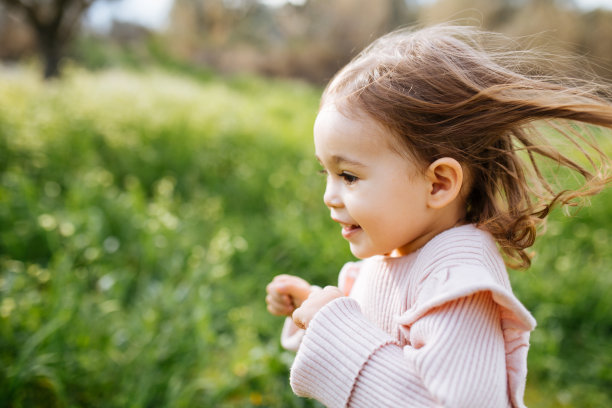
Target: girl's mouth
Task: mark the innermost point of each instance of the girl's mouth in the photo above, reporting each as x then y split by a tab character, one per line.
349	230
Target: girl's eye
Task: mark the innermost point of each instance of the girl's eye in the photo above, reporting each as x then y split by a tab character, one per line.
322	172
348	178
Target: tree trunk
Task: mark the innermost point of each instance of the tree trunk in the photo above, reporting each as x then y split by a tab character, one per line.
50	50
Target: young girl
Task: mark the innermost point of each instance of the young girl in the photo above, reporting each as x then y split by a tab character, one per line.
433	151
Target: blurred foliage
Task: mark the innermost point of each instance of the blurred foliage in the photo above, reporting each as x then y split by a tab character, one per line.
315	38
312	39
142	215
568	291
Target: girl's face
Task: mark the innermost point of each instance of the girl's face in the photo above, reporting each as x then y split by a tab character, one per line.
378	196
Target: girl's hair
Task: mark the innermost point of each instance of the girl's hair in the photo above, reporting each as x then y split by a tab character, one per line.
443	92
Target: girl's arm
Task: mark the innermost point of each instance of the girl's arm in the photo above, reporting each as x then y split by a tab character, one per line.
457	354
456	358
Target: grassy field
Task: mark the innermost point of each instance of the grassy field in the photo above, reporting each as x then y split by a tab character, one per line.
142	214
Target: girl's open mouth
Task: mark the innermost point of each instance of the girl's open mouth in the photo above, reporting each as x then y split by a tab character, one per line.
348	230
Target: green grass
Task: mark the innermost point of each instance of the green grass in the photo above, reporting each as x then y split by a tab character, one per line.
141	216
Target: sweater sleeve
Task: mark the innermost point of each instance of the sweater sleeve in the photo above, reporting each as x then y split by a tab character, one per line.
455	359
291	335
338	342
456	354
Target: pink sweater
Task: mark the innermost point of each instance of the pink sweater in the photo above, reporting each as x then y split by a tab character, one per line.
437	328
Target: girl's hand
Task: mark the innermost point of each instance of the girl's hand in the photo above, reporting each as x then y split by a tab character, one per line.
286	293
317	299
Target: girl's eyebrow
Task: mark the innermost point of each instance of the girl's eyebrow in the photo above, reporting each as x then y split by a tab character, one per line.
338	160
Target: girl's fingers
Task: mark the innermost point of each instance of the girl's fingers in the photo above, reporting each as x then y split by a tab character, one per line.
279	305
280	312
276	301
297	290
278	297
285	293
305	313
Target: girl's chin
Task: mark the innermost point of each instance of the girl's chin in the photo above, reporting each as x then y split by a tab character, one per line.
361	253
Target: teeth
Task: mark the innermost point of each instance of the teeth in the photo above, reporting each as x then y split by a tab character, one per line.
347	226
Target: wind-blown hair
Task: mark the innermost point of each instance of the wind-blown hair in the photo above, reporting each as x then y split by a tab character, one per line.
443	93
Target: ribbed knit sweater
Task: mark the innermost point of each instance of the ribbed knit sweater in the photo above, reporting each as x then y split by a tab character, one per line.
437	328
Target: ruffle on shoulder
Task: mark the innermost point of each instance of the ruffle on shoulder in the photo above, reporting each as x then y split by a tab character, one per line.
454	282
347	276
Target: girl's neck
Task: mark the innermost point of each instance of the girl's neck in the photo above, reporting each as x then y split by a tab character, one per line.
449	217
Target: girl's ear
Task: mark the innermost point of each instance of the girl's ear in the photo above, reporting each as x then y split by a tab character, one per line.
446	177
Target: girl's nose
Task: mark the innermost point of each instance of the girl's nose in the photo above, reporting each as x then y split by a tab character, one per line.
331	198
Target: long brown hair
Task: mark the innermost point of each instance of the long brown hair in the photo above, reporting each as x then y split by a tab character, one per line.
444	93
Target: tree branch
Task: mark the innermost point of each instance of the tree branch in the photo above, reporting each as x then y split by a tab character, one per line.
31	12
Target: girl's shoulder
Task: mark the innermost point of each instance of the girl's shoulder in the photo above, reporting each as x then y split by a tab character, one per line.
458	263
348	275
466	244
465	253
